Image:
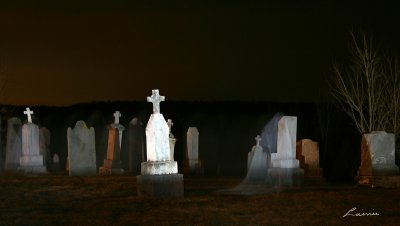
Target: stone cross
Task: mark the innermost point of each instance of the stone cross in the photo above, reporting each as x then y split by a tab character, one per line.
28	112
117	115
155	98
258	139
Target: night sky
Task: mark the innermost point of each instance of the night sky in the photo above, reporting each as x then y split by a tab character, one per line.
67	52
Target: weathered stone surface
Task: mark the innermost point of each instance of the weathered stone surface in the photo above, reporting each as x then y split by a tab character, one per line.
14	144
307	152
112	164
158	168
44	145
378	154
157	139
31	161
285	170
81	150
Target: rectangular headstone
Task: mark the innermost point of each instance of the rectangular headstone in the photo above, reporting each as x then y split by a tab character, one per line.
133	147
14	144
31	160
307	153
286	149
81	150
44	145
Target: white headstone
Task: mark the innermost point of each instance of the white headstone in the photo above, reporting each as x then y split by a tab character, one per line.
192	139
286	149
157	132
157	141
81	150
31	161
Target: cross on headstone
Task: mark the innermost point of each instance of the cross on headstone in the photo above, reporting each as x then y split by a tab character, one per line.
170	124
28	112
117	115
258	139
155	98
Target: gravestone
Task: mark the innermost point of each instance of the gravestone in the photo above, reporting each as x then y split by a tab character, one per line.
285	169
307	152
133	148
377	158
81	150
44	145
192	163
159	175
112	164
14	144
257	161
172	139
31	161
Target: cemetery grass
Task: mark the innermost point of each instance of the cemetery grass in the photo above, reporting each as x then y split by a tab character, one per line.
57	199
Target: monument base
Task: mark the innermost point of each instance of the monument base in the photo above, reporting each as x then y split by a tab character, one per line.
107	171
158	168
160	186
196	169
379	181
32	164
286	176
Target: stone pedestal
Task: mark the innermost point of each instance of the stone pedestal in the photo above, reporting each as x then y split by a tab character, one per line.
31	161
285	169
161	186
377	157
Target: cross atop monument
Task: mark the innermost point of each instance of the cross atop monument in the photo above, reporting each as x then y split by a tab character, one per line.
28	112
117	115
155	98
258	139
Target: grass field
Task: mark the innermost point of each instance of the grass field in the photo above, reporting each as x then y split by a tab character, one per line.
113	200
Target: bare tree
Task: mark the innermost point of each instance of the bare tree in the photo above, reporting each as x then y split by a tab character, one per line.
367	89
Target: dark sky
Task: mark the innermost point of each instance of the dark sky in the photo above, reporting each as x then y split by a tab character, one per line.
66	52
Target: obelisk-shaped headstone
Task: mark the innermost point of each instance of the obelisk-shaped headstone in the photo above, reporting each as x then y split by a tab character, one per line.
31	161
81	150
112	164
14	144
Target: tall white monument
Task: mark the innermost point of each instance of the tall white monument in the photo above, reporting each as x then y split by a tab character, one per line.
159	175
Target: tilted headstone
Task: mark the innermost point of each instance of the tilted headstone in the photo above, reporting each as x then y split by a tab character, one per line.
192	164
285	167
31	161
14	144
133	148
172	139
159	175
44	145
377	157
81	150
307	152
112	164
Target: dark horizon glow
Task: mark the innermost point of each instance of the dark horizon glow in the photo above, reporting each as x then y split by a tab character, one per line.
67	53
